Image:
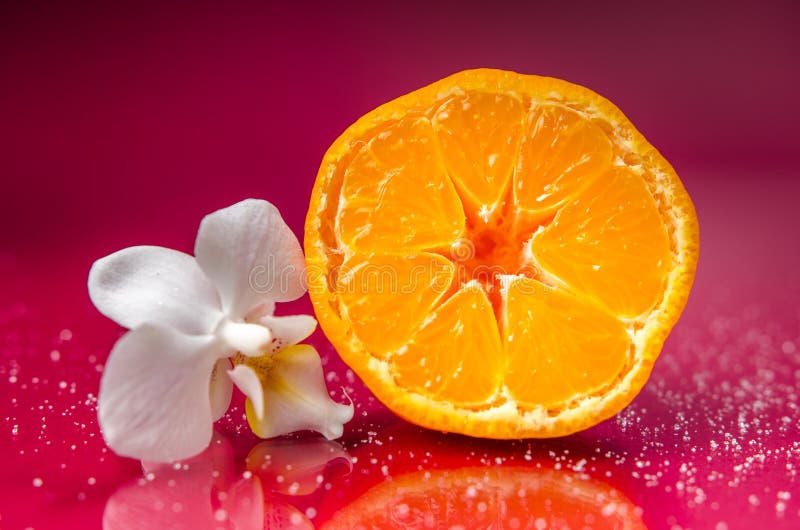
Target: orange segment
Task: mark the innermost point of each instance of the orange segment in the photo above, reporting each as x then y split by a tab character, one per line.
479	133
378	291
610	243
571	254
457	355
560	154
558	346
396	194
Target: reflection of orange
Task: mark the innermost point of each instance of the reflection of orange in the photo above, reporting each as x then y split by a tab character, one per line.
480	497
499	255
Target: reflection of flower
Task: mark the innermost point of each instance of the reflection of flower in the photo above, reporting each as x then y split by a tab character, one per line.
202	493
294	467
190	318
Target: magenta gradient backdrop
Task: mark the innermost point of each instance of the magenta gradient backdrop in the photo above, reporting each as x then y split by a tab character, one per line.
125	125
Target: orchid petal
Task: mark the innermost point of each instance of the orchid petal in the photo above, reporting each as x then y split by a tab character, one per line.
296	398
253	340
264	309
154	399
248	382
288	330
220	389
251	255
154	284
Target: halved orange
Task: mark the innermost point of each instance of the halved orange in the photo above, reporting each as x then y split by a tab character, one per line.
499	255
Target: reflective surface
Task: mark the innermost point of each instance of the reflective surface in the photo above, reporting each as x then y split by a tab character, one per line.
207	492
711	442
124	127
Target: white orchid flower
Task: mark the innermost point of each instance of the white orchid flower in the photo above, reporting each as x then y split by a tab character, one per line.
201	324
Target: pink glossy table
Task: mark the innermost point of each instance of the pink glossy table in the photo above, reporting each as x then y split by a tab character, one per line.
126	126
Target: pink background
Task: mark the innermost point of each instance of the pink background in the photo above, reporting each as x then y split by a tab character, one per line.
123	126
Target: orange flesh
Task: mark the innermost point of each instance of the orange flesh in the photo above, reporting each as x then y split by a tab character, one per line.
544	328
439	358
543	251
395	283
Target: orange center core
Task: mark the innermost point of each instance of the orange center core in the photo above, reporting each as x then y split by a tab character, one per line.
494	249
